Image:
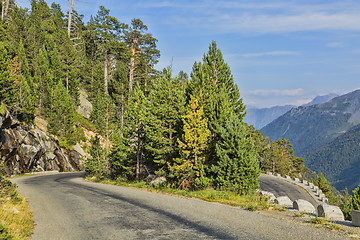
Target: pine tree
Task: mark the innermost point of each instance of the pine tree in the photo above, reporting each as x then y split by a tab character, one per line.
62	117
165	108
97	165
118	89
346	204
212	83
237	169
144	54
6	81
122	164
355	199
135	124
188	170
107	30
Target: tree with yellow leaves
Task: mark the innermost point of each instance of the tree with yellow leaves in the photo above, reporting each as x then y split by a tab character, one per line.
187	171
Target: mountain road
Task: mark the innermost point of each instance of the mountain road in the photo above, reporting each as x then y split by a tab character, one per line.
280	187
65	206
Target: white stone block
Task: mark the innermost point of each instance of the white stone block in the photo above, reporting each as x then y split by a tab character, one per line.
283	201
330	212
355	215
304	182
270	195
296	180
303	206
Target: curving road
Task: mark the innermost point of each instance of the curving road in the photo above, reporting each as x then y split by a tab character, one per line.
280	187
65	206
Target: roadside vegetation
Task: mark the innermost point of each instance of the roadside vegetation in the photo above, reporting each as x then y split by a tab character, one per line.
251	202
15	216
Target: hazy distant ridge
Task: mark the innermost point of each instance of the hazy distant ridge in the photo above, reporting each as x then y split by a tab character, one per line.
260	117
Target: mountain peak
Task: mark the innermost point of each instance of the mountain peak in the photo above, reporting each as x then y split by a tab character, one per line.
321	99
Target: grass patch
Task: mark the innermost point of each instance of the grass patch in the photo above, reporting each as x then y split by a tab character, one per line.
15	218
251	202
318	220
299	215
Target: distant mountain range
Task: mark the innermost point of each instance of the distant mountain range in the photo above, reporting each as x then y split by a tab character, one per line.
260	117
327	135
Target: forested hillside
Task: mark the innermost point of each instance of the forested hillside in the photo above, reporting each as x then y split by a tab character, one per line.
148	122
339	160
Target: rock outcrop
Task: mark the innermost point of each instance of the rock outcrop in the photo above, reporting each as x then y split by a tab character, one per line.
85	108
27	150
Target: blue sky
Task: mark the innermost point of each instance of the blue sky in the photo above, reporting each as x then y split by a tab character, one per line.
280	52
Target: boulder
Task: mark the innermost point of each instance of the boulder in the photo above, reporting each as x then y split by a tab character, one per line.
85	108
330	212
158	181
41	123
283	201
78	149
355	215
303	206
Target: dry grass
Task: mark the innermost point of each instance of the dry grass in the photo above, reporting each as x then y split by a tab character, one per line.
16	216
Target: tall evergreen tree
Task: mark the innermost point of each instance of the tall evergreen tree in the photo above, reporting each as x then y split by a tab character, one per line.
237	169
6	80
213	84
144	54
188	170
165	108
135	124
107	30
62	116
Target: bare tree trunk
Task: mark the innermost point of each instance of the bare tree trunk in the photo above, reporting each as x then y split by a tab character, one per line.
2	9
6	8
132	66
71	3
106	74
67	79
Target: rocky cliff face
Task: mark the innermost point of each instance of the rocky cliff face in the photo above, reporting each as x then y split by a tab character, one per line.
26	150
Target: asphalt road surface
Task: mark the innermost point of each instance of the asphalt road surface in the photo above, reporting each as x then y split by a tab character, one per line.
65	206
280	187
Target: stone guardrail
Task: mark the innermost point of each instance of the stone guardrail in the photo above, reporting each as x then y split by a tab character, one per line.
324	210
355	215
313	190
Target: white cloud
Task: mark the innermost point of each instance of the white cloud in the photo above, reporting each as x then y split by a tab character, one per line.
277	93
272	53
259	17
334	44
